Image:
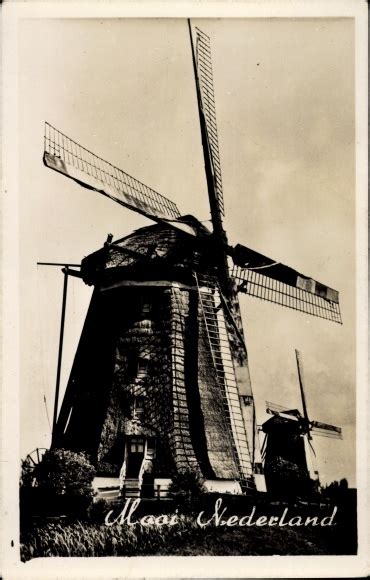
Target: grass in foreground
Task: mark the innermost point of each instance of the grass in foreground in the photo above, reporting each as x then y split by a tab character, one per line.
87	539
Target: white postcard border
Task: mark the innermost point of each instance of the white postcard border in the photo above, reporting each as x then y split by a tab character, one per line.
169	567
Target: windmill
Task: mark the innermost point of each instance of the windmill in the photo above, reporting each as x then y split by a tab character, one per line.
160	381
287	445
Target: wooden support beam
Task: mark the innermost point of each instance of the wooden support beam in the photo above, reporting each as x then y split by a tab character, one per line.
72	272
146	283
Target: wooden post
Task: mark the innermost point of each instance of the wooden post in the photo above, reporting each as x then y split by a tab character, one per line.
60	351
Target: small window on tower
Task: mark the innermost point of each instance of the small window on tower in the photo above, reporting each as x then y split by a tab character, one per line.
145	305
138	406
142	367
247	400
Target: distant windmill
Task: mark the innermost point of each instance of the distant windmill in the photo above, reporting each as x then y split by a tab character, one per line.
160	381
288	443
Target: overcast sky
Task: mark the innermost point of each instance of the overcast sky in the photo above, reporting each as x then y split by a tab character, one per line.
285	111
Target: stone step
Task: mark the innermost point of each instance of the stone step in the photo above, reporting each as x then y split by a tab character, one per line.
132	487
109	495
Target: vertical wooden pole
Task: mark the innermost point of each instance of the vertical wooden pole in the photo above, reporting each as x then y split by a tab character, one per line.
60	350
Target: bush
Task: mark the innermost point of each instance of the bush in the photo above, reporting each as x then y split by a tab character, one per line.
186	489
62	471
98	510
63	481
336	490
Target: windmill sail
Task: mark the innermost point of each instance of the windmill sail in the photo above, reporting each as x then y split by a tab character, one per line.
301	386
205	76
264	278
72	160
316	427
274	408
216	327
326	430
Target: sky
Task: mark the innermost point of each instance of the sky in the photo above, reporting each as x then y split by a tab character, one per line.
286	121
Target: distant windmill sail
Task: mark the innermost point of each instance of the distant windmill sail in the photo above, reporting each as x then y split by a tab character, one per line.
71	159
274	408
301	386
269	280
326	430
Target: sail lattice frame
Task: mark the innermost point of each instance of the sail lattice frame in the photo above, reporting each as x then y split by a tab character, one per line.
71	159
205	75
260	286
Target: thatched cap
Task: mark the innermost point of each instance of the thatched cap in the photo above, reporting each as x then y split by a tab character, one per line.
161	250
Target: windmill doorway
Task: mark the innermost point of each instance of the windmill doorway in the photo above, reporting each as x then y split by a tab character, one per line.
135	456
